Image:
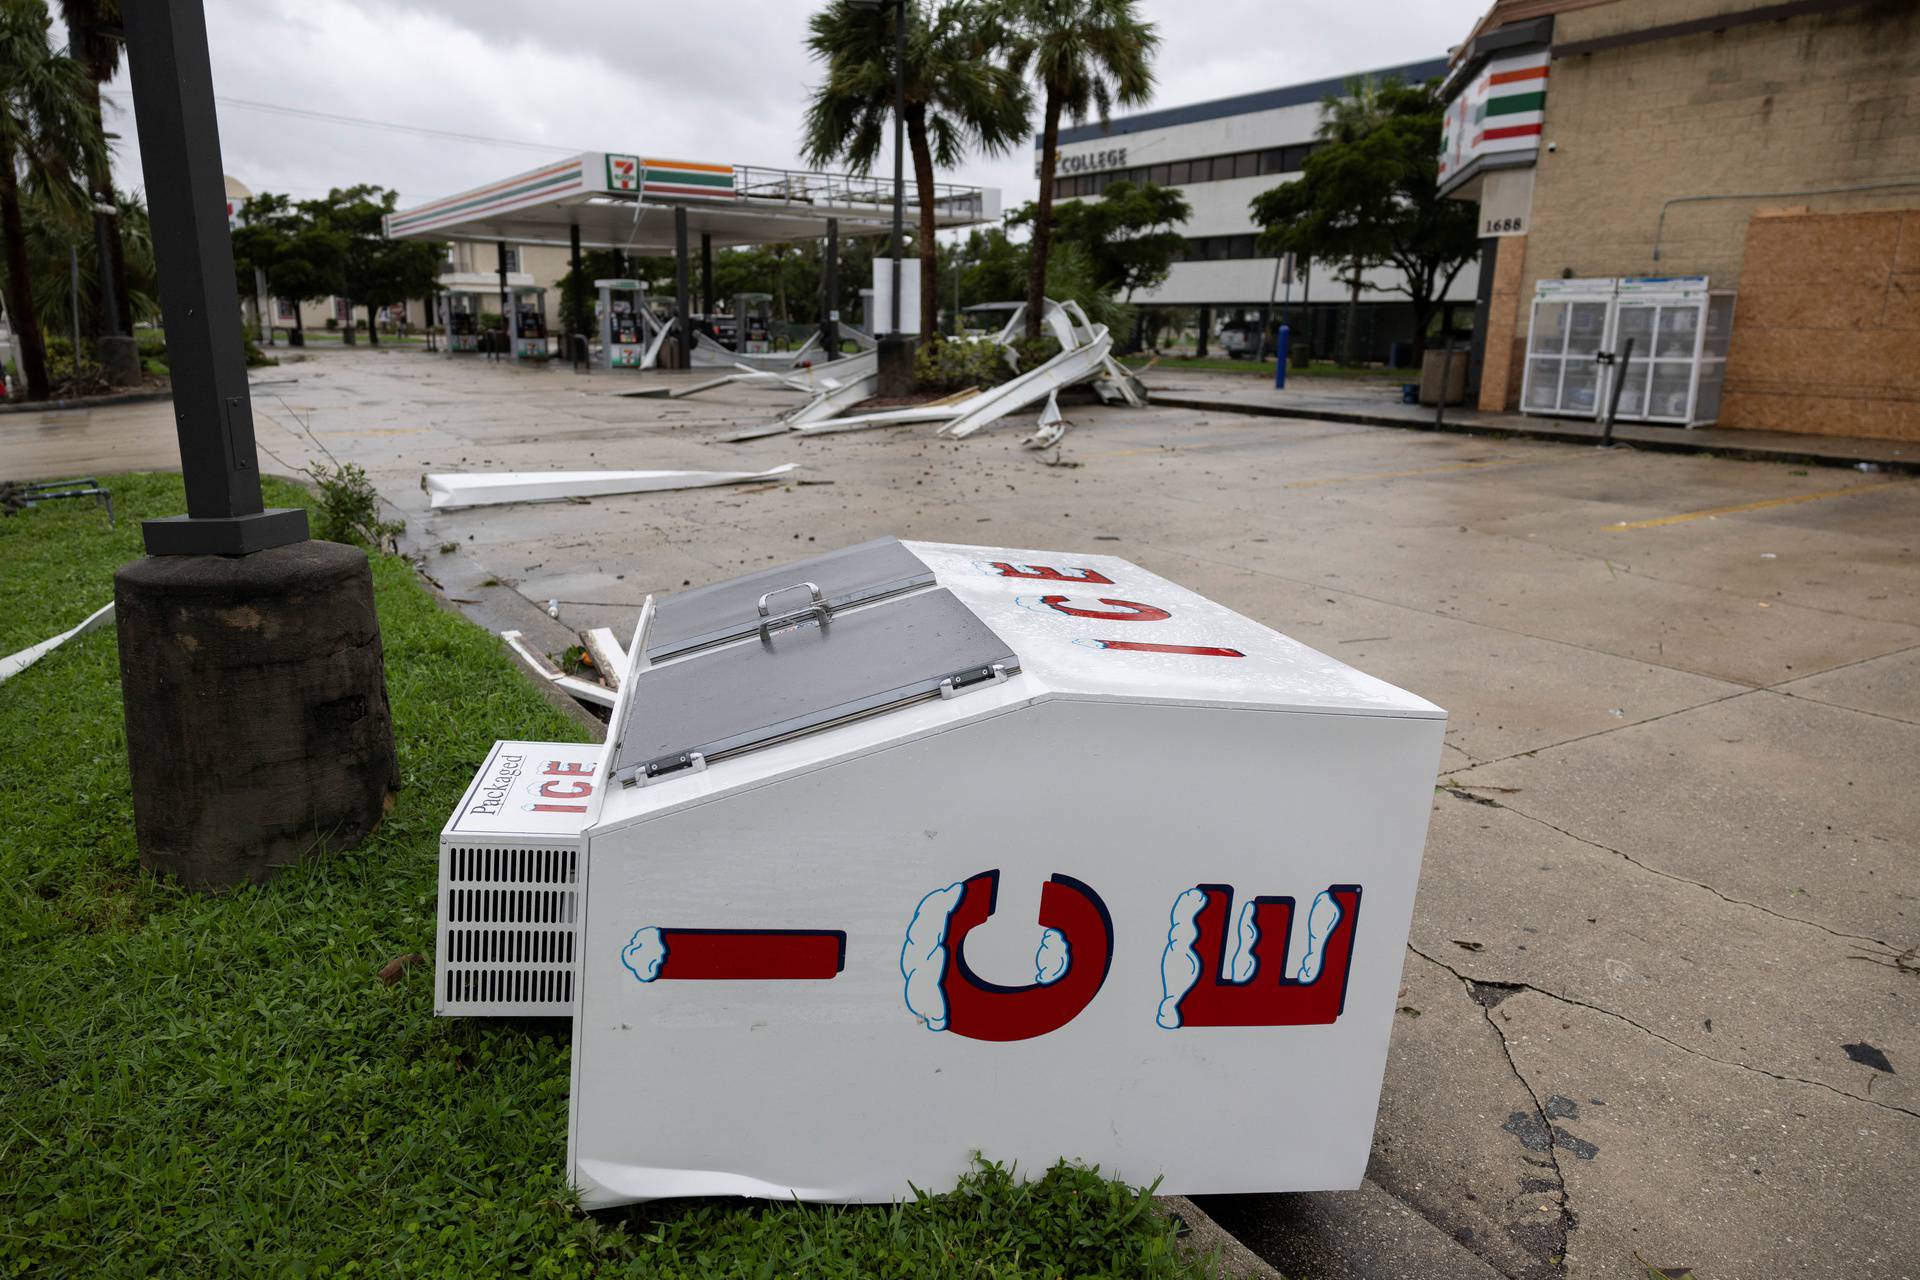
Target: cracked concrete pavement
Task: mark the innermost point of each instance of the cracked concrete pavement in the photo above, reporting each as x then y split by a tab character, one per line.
1659	1003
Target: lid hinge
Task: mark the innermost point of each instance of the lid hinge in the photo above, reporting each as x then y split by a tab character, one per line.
973	678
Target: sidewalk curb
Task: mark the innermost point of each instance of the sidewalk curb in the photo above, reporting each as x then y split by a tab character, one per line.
1797	456
1203	1237
89	402
1364	1234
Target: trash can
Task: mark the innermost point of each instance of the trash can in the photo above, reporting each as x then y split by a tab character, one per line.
913	850
1435	365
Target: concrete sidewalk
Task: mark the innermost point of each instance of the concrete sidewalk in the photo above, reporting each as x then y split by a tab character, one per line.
1377	404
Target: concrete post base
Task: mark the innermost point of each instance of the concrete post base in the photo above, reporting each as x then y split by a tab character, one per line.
896	365
257	722
120	357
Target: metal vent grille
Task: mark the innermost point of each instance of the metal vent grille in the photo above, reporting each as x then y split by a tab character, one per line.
507	917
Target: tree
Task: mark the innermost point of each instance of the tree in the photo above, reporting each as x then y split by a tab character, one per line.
378	272
93	40
295	246
1085	55
960	96
1369	195
47	132
58	239
1128	234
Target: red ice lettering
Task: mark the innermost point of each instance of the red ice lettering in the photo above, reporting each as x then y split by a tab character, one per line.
1262	995
1196	650
1047	573
982	1010
1116	611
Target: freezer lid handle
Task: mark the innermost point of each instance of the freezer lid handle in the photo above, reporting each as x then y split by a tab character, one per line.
816	608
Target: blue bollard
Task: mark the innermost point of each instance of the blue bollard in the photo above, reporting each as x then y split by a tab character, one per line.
1282	339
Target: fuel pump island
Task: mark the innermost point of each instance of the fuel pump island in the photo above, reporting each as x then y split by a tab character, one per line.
912	850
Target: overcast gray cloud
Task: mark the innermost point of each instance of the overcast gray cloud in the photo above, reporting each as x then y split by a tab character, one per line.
716	81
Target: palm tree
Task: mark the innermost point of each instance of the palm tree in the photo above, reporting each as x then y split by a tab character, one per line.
47	132
92	41
960	96
1085	56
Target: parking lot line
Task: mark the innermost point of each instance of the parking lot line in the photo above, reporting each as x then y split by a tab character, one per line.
1761	505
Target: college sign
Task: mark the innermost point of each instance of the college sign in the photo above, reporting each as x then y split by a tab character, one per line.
1496	119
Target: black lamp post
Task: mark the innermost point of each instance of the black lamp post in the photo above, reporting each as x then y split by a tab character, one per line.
250	662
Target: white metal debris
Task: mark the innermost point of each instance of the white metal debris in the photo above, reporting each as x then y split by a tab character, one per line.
1085	357
1052	427
13	664
609	659
584	690
1071	366
487	489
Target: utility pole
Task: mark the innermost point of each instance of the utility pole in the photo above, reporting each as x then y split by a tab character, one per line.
250	663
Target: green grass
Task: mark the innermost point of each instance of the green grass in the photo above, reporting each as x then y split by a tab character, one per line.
1264	368
220	1086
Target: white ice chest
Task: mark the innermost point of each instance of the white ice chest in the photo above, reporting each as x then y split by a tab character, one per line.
914	850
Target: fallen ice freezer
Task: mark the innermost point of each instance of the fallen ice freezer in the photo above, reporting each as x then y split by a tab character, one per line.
911	851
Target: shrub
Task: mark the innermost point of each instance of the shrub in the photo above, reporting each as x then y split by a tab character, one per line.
348	510
954	364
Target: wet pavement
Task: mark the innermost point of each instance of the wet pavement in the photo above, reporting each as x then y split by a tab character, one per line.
1659	1004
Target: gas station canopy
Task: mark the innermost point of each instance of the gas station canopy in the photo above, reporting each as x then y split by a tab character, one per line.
626	202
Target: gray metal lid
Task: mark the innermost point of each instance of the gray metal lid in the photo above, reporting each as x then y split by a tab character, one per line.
803	676
722	611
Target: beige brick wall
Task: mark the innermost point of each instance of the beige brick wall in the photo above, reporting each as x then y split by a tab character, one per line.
1819	100
1505	359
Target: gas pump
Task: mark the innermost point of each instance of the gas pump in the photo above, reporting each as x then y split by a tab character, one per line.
623	323
753	323
529	322
463	322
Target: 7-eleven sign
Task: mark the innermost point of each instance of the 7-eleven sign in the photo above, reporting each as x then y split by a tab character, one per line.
623	173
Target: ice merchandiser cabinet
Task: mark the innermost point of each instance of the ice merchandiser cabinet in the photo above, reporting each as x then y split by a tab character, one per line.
1681	331
912	850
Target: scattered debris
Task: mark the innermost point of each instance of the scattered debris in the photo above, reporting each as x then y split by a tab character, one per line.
487	489
584	690
391	971
553	608
16	495
1085	357
1469	946
14	664
1052	426
609	659
1868	1056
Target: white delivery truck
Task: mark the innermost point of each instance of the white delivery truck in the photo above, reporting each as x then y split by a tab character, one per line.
914	850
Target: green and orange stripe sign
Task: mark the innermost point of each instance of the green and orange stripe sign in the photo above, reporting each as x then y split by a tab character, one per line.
1503	109
534	187
679	179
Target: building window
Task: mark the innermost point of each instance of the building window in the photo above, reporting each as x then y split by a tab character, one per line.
513	260
1268	162
283	309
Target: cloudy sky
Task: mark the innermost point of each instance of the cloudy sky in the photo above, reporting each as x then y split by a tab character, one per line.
723	80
